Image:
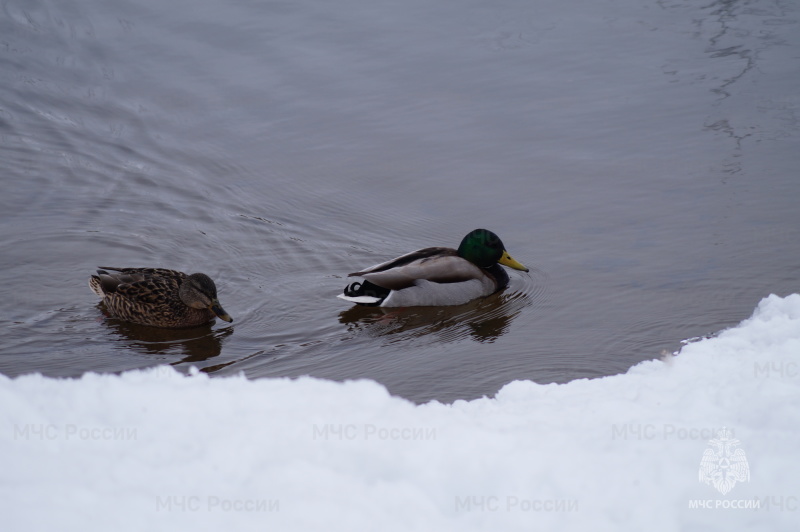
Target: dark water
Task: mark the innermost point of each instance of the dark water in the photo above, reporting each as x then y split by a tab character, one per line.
640	156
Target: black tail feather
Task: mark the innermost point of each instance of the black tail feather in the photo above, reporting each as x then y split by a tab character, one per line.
366	288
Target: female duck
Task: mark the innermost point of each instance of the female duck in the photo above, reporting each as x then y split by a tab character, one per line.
158	297
436	276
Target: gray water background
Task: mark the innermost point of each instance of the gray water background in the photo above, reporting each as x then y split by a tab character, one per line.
640	156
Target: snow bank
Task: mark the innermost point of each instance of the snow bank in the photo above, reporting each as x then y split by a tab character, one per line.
154	450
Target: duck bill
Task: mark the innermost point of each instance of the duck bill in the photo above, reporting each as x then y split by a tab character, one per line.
506	260
217	309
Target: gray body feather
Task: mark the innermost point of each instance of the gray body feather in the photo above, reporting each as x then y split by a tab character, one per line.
430	277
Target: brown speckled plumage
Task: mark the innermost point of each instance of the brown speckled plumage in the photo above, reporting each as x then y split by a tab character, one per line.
152	296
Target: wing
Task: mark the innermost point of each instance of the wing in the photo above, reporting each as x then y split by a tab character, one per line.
151	291
708	464
739	466
109	283
407	259
140	274
405	271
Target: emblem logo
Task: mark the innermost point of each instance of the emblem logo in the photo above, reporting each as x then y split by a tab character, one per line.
723	465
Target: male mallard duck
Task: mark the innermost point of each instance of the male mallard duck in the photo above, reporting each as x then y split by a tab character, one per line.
436	276
158	297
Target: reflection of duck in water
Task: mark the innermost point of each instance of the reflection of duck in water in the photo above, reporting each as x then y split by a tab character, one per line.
484	319
436	276
158	297
195	344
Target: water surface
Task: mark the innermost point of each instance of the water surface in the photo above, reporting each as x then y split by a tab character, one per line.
640	156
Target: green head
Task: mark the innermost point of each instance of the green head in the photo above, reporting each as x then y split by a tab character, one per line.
484	248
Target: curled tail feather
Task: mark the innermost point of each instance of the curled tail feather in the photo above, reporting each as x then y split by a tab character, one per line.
365	293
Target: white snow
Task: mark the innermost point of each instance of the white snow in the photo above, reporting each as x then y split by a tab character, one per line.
155	450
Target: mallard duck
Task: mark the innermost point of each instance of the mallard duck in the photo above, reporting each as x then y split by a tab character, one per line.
158	297
436	276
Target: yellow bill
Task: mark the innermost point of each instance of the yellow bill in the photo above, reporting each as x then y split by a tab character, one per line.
506	260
